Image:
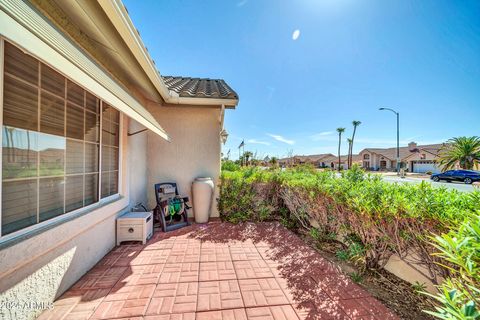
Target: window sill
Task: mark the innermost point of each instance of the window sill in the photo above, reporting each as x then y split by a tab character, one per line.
17	237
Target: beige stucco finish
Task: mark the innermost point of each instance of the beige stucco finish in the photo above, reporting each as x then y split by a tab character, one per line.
422	155
137	157
194	150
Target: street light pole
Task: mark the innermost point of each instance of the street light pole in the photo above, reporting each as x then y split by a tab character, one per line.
398	136
398	143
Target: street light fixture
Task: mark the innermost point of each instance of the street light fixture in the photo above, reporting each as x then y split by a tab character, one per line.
398	136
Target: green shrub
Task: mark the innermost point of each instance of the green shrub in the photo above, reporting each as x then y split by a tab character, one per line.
354	251
245	195
459	295
322	235
229	165
385	218
342	255
375	219
419	287
355	174
356	277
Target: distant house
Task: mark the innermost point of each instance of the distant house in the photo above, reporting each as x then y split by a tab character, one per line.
314	159
319	160
324	160
331	161
414	158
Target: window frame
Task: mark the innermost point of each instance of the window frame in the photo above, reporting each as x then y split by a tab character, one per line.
68	216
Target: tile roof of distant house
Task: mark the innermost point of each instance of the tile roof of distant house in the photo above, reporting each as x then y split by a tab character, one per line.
356	158
334	159
311	157
199	87
391	153
318	157
324	157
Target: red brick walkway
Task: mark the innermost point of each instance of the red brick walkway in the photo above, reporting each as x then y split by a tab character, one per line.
217	271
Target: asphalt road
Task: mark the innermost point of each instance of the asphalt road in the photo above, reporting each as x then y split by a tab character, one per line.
450	185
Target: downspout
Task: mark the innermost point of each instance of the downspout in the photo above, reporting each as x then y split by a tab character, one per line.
222	116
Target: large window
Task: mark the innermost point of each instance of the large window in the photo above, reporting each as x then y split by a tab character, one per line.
54	132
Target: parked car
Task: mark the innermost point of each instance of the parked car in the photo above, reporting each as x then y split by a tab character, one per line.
465	176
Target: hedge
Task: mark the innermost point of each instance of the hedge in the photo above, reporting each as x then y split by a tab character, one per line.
385	218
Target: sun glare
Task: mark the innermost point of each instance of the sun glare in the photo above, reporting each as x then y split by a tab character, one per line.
295	34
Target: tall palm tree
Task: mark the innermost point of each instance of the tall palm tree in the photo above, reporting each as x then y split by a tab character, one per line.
340	131
355	124
349	150
464	151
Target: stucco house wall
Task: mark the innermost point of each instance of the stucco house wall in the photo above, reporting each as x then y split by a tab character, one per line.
421	155
388	162
194	150
137	157
374	160
364	161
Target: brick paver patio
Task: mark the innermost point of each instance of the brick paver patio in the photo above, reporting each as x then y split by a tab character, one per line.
217	271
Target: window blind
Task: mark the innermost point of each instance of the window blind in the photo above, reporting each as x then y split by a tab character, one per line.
51	144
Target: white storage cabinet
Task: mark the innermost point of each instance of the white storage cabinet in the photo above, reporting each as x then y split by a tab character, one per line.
135	226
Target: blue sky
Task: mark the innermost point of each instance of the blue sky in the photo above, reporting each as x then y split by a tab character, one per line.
351	57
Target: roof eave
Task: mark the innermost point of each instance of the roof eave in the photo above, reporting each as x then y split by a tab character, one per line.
119	17
196	101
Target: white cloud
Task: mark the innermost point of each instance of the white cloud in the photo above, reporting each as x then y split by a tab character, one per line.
255	141
324	136
281	139
295	34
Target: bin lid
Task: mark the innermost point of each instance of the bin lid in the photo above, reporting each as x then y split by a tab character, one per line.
135	215
203	179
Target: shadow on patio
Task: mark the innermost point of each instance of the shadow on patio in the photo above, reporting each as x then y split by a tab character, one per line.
218	271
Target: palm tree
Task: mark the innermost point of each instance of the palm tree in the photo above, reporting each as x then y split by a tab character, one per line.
355	124
462	150
12	144
340	131
349	151
248	155
273	161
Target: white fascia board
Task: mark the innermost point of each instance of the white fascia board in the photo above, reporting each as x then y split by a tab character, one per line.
118	15
228	103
